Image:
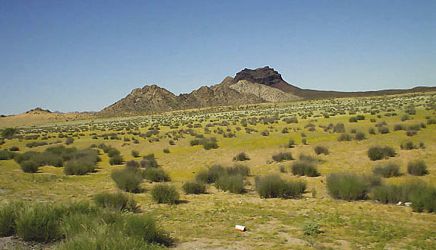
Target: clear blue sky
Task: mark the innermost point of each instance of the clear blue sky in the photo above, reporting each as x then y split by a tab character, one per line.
84	55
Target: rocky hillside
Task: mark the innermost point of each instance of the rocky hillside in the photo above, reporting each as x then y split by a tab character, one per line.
247	87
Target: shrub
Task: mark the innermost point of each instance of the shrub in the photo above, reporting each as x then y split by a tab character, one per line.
135	153
417	167
211	175
238	169
421	195
395	193
241	157
349	186
210	143
321	150
132	164
116	160
424	200
112	152
127	179
272	186
388	170
231	183
6	155
79	167
155	174
194	188
339	128
291	143
311	229
304	168
166	150
163	193
383	130
8	215
149	161
40	223
344	137
377	153
144	227
360	136
116	201
282	156
8	133
29	166
69	141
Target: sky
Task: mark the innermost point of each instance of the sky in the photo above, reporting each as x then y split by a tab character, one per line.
85	55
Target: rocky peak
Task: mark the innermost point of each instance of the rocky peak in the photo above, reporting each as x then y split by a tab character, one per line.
266	75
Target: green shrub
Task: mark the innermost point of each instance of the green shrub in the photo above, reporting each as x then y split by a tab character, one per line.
211	175
238	169
241	157
421	195
155	174
8	215
29	166
116	201
378	153
360	136
6	155
210	143
417	167
282	156
311	229
40	223
272	186
79	166
116	160
345	137
191	187
304	168
291	143
149	161
127	179
164	193
8	133
321	150
144	227
135	153
232	183
388	170
349	186
424	200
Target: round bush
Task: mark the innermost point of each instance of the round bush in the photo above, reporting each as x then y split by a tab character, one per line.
116	201
417	167
378	153
282	156
232	183
272	186
388	170
164	193
304	168
241	157
194	187
321	150
349	186
127	179
29	166
155	174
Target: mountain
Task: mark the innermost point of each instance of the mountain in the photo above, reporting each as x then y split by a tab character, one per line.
249	86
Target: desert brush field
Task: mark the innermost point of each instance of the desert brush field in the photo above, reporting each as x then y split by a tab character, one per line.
345	173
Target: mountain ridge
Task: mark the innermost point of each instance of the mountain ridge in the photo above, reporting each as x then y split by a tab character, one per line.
249	86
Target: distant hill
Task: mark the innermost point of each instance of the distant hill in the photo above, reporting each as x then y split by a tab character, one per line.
249	86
